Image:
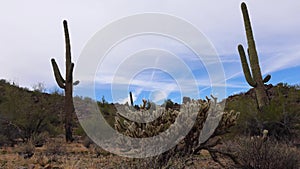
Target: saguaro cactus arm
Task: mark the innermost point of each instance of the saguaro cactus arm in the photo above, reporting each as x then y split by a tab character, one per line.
245	66
246	69
58	77
76	83
267	78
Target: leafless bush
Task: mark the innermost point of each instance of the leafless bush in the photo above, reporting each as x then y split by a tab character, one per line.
265	153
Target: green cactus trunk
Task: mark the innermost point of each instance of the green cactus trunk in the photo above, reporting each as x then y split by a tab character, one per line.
67	85
254	78
69	111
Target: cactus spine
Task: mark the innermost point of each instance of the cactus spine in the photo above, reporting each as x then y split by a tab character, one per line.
254	78
66	84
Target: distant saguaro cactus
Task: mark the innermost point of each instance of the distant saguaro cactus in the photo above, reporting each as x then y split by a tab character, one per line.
66	84
131	99
254	78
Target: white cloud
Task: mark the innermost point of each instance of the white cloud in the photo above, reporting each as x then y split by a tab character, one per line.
31	34
281	60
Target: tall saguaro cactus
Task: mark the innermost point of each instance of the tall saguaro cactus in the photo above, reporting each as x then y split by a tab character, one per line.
254	78
66	84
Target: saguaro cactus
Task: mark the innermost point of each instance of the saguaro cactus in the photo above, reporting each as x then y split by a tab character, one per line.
254	78
131	99
66	84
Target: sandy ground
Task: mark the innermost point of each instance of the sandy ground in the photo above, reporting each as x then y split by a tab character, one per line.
76	156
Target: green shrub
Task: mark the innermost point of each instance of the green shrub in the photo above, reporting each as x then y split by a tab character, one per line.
281	117
79	131
4	140
25	114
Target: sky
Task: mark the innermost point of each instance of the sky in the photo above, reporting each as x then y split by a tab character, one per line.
31	34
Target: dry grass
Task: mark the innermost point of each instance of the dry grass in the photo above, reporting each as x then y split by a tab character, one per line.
60	155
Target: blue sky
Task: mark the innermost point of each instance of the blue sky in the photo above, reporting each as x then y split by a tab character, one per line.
31	34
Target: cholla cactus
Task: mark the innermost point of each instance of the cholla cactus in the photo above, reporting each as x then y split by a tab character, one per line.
208	113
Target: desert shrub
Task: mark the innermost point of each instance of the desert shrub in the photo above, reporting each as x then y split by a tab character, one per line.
108	111
281	117
264	153
54	150
4	140
26	150
43	161
79	131
98	151
24	114
40	139
55	147
39	87
9	132
204	112
87	142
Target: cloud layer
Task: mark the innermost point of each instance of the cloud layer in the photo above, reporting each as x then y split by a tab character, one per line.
31	34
